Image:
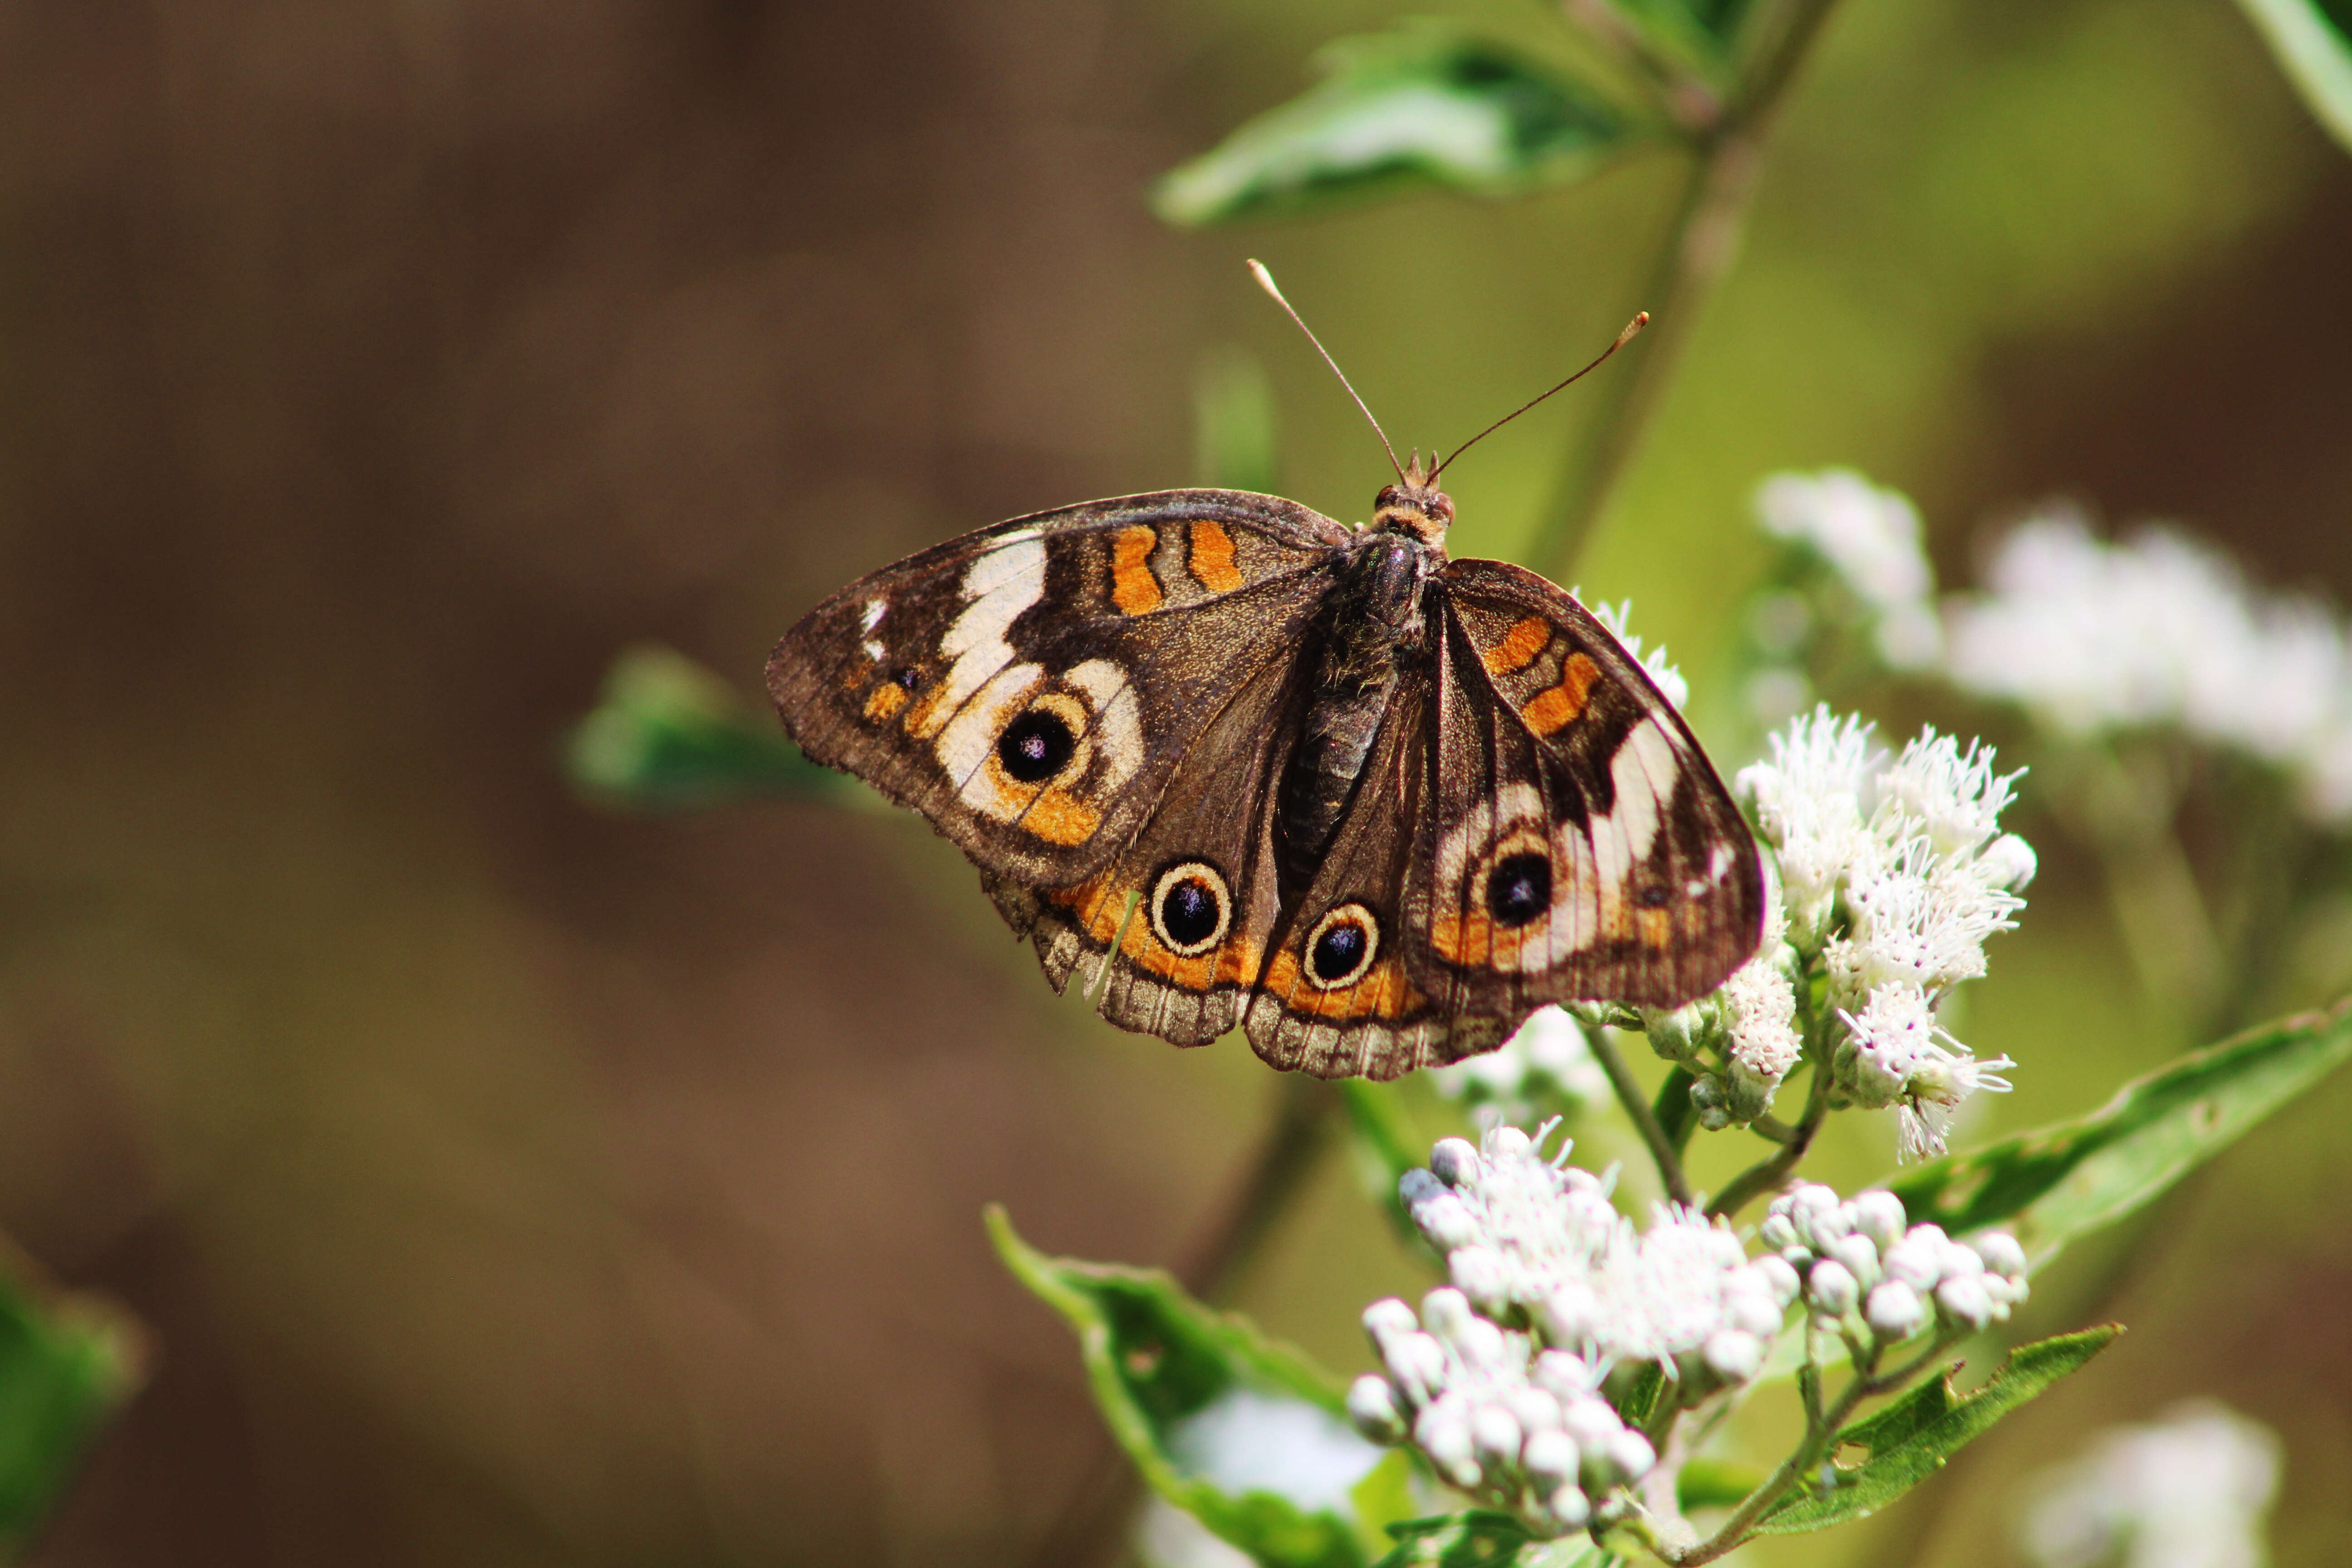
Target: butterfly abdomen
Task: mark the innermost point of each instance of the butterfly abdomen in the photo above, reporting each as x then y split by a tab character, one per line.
1371	624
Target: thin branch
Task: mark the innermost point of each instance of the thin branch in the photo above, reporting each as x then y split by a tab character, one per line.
1637	1108
1702	239
1770	1172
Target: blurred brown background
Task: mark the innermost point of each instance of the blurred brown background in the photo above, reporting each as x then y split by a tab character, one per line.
508	1182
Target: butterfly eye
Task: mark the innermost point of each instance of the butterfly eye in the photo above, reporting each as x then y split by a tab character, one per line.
1191	908
1519	889
1341	946
1036	745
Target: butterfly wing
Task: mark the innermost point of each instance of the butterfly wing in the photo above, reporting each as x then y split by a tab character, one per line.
1029	688
1339	996
1584	846
1189	905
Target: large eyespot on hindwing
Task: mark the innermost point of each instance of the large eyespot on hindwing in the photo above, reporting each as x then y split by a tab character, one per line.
1339	950
1191	908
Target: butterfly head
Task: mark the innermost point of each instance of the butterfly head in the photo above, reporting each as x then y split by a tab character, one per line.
1414	505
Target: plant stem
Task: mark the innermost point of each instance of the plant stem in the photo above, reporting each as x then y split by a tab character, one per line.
1768	1172
1637	1108
1702	239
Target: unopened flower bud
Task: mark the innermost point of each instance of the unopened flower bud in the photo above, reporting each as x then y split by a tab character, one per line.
1955	1261
1384	1320
1372	1407
1445	1311
1965	1301
1807	1203
1567	1378
1917	1260
1447	1222
2007	862
1442	1432
1455	1162
1535	1410
1480	1344
1418	1186
2001	1253
1880	1215
1494	1436
1570	1314
1776	1232
1734	1354
1416	1364
1569	1507
1860	1255
1832	1287
1781	1276
1894	1312
1550	1458
1479	1273
1590	1422
1626	1457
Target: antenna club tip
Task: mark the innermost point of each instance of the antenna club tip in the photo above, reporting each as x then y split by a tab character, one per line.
1641	318
1265	279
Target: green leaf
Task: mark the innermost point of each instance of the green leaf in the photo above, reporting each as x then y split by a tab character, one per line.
1910	1439
2057	1183
66	1363
670	735
1245	1435
1478	1539
2313	41
1424	105
1713	1483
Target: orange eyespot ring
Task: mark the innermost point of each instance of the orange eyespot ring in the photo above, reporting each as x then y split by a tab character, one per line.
1191	908
1341	949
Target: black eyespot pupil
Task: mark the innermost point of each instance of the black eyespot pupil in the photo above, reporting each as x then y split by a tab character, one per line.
1519	888
1188	912
1336	953
1036	746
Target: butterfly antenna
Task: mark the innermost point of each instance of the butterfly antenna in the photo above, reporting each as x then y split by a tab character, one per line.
1265	281
1631	327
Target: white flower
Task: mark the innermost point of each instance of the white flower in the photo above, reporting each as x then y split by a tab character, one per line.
1523	1232
1870	538
2160	630
1940	1082
2188	1490
1952	797
1654	663
1762	1000
1919	918
1809	802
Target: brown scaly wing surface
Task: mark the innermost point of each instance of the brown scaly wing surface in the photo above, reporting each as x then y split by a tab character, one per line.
1102	639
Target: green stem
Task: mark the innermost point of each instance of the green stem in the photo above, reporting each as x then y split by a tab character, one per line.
1702	239
1677	1117
1770	1172
1637	1109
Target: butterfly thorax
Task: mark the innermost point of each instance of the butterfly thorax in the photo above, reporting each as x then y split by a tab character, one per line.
1372	625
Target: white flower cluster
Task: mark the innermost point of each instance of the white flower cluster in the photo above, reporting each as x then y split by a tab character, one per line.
2093	638
1870	538
1894	873
1548	1064
1517	1415
2188	1490
1654	663
1873	1276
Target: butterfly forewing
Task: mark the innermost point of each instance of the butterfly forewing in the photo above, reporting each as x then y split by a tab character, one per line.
1586	848
1031	686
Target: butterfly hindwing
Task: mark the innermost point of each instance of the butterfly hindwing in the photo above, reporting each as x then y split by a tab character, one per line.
1584	846
1342	995
1029	688
1190	901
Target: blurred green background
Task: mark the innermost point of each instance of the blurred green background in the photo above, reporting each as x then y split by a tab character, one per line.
507	1180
